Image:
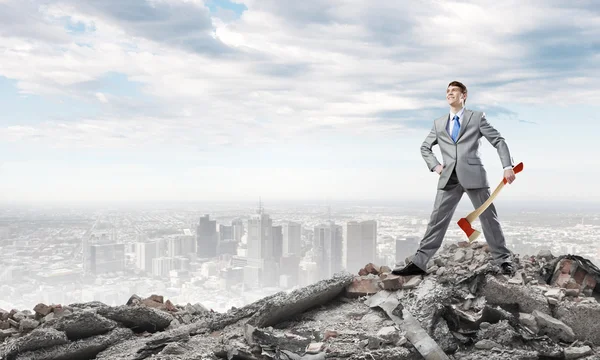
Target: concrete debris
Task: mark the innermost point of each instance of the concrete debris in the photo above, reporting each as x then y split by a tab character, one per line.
464	308
577	352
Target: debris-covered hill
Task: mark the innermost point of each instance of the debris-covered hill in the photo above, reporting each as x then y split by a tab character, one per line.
464	309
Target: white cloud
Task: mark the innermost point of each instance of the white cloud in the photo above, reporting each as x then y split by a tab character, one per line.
101	97
293	68
283	72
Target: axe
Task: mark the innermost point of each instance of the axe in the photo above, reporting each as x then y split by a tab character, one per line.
465	223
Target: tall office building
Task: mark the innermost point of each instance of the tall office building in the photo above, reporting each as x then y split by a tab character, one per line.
225	232
260	240
292	239
361	244
261	269
277	242
106	258
145	252
182	245
207	237
238	229
162	266
328	242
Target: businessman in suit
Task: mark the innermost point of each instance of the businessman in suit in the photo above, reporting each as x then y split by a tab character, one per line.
458	135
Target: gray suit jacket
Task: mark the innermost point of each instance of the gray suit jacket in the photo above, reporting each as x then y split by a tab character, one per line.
464	154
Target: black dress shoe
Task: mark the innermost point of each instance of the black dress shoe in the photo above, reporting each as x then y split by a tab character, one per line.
507	268
410	269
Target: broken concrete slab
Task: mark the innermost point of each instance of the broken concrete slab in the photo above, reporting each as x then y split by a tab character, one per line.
552	327
37	339
138	318
583	318
82	324
577	352
527	299
82	349
288	305
420	339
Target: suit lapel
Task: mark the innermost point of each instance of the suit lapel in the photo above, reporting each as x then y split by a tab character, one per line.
463	126
443	125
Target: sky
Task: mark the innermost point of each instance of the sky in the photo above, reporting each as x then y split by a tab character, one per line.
210	100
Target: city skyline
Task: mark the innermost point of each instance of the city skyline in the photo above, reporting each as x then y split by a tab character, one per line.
229	100
149	250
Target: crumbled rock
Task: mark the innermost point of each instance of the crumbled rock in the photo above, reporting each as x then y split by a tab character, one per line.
362	286
529	321
527	299
81	324
582	318
577	352
486	344
37	339
554	328
42	309
463	309
28	325
138	318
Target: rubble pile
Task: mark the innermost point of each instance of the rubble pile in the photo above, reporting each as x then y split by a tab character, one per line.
463	309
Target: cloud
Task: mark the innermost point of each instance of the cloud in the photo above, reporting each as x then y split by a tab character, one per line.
528	122
283	70
183	24
101	97
25	20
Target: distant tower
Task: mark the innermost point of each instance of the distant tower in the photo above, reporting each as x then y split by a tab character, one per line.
207	237
361	244
328	242
260	207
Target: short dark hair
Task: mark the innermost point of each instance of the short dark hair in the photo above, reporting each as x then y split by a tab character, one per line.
461	86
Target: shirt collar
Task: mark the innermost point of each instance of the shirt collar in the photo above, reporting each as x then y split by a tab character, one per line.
460	113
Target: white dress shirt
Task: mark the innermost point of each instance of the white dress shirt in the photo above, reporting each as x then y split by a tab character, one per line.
451	122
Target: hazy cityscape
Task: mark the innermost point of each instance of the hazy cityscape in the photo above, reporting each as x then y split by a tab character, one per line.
225	255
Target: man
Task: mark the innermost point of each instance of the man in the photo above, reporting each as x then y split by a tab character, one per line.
458	135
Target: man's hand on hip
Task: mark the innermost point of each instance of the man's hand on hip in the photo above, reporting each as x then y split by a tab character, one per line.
509	175
438	169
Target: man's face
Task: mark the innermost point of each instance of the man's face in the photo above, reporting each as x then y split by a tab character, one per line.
455	96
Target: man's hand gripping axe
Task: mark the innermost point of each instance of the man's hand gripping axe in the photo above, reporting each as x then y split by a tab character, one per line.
465	223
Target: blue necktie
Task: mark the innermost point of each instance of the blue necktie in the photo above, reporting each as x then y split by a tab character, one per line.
456	128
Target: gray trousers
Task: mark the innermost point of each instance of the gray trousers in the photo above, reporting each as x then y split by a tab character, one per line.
445	204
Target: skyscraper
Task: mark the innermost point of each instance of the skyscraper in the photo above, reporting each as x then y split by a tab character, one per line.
292	239
238	229
145	252
106	258
277	242
260	240
328	241
262	268
361	244
182	245
225	232
207	237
